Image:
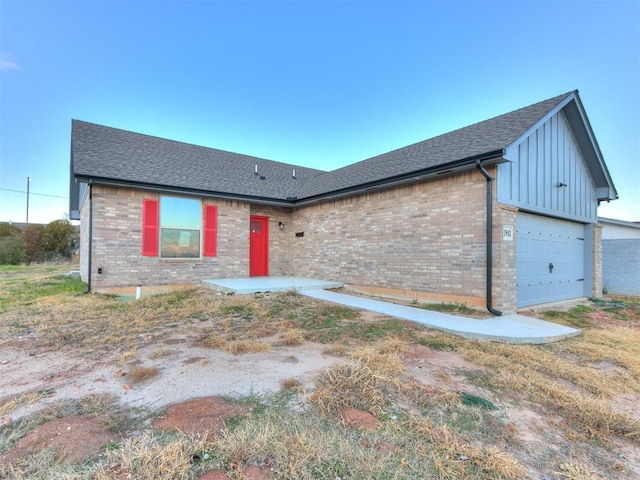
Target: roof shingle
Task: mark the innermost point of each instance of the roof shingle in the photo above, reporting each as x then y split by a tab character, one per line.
110	154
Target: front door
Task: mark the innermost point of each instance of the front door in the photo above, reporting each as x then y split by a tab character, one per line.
259	246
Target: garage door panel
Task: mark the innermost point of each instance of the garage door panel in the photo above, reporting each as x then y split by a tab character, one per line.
550	259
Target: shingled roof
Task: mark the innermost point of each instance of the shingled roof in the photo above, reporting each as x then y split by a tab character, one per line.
110	155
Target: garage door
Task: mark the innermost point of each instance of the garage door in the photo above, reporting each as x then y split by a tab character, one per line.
550	259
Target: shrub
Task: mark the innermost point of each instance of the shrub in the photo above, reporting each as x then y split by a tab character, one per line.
61	239
12	250
8	230
33	242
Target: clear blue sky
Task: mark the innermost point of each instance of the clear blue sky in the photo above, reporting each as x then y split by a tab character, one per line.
316	83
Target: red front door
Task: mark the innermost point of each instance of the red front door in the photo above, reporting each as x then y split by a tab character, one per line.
259	246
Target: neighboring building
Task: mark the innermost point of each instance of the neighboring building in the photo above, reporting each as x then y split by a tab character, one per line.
620	256
410	222
618	229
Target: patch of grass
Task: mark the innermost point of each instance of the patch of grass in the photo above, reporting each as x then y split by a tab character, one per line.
592	416
161	353
363	382
575	317
574	471
472	400
19	401
152	456
290	384
457	308
23	291
617	345
292	337
439	341
127	356
42	464
142	374
336	350
546	361
243	347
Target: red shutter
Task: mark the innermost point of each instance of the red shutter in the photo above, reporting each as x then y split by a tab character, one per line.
210	231
150	228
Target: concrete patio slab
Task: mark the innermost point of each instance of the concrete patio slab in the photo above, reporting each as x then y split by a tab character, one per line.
245	286
512	328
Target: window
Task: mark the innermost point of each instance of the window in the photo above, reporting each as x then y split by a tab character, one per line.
173	227
180	223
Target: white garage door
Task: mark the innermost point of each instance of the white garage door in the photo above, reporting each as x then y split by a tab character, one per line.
550	259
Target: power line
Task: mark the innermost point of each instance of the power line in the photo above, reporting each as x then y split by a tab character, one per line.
34	152
32	193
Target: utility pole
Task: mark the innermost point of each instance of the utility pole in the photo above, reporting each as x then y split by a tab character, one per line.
28	181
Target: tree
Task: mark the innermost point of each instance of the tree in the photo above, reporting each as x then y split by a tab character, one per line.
8	230
33	237
61	239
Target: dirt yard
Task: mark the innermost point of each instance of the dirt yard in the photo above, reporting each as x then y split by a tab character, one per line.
188	385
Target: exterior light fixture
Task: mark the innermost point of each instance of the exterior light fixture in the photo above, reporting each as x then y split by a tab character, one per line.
281	225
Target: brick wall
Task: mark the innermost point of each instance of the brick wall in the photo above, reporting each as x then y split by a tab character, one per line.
84	237
621	266
427	237
504	259
597	278
117	237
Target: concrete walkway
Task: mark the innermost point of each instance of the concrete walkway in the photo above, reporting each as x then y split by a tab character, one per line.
511	328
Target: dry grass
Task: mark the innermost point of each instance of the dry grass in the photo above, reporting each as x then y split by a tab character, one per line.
142	374
44	464
618	345
248	346
151	457
363	382
454	458
424	432
290	384
236	347
125	357
161	353
337	350
593	416
573	471
546	362
12	403
292	337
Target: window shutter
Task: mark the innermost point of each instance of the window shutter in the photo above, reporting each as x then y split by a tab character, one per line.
210	231
150	229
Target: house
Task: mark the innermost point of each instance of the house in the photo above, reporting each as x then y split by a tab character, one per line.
501	213
620	256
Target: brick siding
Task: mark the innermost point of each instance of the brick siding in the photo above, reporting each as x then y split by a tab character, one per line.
597	278
621	266
117	239
426	237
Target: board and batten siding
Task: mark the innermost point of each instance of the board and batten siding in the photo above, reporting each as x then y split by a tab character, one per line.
540	165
